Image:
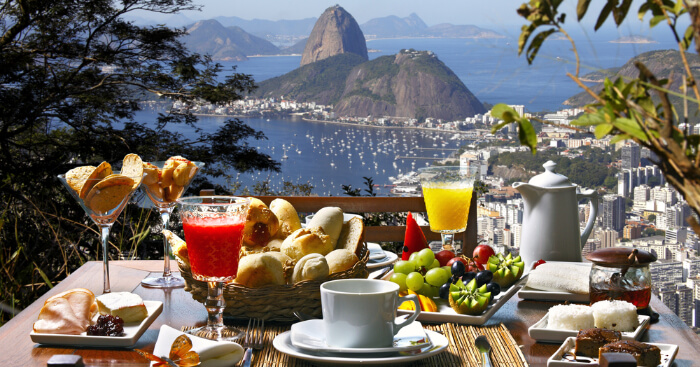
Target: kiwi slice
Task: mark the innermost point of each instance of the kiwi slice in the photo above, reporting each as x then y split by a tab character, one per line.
506	269
468	299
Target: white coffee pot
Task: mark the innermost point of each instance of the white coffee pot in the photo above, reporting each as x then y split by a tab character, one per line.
550	229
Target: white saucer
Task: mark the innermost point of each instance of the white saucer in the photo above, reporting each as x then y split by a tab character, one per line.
375	251
389	259
309	335
283	343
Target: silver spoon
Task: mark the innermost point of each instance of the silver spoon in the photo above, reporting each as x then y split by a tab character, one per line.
485	348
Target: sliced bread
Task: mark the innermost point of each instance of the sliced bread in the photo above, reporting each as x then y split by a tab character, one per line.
352	236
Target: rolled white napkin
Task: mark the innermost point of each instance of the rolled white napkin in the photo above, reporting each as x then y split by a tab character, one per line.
211	353
560	277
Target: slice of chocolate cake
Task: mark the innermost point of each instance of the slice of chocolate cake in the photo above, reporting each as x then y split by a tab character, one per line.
588	341
646	355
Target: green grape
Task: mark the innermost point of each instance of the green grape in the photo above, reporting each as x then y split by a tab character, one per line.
400	279
414	264
414	281
448	269
413	257
424	290
403	267
436	277
425	257
434	292
435	264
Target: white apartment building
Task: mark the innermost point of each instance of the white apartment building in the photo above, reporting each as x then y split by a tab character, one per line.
666	272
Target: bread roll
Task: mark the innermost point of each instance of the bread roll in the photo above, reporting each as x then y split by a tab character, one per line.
304	241
258	270
341	260
261	224
310	267
288	217
331	220
275	244
352	236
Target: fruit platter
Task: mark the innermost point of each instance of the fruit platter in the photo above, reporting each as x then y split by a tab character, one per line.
458	289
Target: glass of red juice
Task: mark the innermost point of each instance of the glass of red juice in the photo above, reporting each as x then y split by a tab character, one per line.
213	228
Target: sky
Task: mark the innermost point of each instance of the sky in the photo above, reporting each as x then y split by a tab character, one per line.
497	15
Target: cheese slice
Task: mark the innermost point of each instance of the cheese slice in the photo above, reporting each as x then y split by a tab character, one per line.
126	305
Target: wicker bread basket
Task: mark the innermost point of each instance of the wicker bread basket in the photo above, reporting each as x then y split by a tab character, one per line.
275	302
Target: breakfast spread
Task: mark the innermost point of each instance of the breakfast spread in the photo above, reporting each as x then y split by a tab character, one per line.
100	189
613	315
77	311
167	184
589	341
128	306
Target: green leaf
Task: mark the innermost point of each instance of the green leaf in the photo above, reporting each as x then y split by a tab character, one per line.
678	7
630	127
499	126
688	37
589	119
525	33
537	43
620	13
656	20
43	276
582	8
602	130
604	14
618	138
642	11
504	112
527	134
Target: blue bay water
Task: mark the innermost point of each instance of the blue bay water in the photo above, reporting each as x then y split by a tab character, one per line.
331	155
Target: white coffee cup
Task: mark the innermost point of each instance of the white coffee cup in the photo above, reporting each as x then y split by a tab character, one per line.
361	313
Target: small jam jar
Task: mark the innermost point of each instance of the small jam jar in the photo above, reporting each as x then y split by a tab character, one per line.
621	273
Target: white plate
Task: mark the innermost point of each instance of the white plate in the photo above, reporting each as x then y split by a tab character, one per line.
388	260
668	354
309	335
132	333
539	331
375	251
283	343
447	314
536	294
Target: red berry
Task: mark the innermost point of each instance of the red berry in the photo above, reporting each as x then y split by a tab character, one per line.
538	263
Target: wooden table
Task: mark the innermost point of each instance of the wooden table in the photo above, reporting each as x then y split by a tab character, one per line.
17	349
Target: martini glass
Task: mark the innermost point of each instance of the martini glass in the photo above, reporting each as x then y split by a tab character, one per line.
447	192
164	198
103	207
213	228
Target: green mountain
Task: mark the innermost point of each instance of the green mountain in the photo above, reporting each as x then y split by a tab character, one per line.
222	43
662	63
411	84
321	81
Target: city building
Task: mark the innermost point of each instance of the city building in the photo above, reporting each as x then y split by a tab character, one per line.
613	212
665	272
630	155
608	238
631	232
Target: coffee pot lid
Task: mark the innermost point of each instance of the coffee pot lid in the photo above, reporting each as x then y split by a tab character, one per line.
621	257
549	178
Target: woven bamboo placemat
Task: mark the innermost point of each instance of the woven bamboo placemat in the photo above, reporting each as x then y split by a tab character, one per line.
460	352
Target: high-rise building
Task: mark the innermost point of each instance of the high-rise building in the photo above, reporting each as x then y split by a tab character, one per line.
668	296
630	155
608	238
684	303
676	235
666	272
640	197
623	183
613	212
676	215
631	232
517	230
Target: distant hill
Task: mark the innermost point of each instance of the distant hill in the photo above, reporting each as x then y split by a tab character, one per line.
263	28
413	84
633	39
322	81
225	43
335	32
393	26
413	26
663	63
295	49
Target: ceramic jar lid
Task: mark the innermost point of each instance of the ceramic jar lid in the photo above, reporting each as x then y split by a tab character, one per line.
616	257
549	178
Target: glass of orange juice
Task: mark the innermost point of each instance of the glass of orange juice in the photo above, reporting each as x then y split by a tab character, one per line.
213	228
447	191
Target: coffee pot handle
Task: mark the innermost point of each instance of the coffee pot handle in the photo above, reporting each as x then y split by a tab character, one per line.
592	196
416	303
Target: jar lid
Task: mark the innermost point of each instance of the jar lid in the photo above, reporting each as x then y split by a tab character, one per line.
621	256
549	178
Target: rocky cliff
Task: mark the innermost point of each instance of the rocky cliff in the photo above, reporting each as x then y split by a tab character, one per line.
413	84
335	32
662	63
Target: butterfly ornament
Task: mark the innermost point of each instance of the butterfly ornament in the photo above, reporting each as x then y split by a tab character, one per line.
181	354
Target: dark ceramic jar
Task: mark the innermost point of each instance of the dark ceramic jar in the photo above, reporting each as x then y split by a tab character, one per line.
621	273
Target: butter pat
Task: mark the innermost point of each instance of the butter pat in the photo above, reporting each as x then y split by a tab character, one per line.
126	305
